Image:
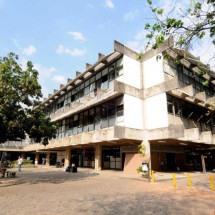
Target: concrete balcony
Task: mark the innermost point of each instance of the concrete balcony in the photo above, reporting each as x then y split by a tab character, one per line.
192	130
191	134
183	92
170	132
87	102
13	145
123	88
206	137
112	135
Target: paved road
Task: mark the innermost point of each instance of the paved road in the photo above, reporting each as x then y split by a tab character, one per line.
52	191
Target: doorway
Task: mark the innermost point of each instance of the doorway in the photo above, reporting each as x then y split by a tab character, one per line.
171	162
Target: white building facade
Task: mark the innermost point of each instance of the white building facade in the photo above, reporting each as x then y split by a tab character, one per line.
104	113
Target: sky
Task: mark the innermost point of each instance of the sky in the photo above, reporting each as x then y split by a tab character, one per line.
61	36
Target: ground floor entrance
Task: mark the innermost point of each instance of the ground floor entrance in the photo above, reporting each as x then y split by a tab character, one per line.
83	157
182	158
111	158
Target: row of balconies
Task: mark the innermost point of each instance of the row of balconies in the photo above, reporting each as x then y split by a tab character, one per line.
119	88
193	131
111	135
76	106
178	129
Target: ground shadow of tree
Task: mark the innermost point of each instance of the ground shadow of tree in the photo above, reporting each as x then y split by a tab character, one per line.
53	177
149	203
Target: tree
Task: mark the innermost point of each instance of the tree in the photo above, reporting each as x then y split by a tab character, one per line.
20	112
187	26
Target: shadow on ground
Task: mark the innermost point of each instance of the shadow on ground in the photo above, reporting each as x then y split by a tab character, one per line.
149	203
53	177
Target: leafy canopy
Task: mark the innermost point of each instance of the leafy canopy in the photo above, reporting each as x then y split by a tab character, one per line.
19	99
186	26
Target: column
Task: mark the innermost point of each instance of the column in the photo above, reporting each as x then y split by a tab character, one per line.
98	157
67	157
48	159
147	156
36	162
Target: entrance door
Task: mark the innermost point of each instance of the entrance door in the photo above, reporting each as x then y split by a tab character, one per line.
111	158
170	159
53	158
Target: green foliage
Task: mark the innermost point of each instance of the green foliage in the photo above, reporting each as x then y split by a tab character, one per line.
10	164
141	150
201	72
202	22
205	83
19	96
140	56
139	169
25	164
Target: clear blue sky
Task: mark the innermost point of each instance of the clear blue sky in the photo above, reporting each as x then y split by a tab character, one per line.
60	36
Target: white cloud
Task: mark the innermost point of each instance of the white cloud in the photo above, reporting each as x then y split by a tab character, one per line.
139	42
16	43
109	4
29	50
130	15
141	35
44	72
73	52
59	79
77	35
205	50
137	46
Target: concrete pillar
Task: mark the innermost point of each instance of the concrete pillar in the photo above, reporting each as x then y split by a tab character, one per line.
36	162
67	157
147	156
203	163
47	158
98	157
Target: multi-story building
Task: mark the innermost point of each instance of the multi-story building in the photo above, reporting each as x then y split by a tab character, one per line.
119	103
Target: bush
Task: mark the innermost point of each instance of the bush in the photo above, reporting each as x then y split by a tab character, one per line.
10	164
139	169
25	163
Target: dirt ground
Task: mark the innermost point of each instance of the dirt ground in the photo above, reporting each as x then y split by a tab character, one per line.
46	191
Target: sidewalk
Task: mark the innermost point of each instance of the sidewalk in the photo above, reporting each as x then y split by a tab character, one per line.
51	191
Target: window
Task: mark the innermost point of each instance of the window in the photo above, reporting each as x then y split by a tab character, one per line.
91	119
80	122
104	115
97	117
85	128
87	90
119	110
98	83
75	124
104	84
101	116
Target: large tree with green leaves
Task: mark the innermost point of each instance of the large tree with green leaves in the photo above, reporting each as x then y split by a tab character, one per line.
20	112
187	24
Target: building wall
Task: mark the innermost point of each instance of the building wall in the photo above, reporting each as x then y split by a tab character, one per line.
132	162
131	72
156	115
153	72
133	112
